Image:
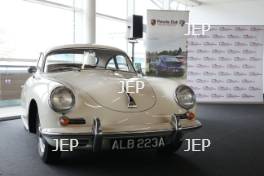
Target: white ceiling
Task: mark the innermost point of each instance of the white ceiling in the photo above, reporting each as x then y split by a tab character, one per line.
203	2
223	1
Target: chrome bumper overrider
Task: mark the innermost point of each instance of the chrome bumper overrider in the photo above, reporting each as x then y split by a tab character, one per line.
97	140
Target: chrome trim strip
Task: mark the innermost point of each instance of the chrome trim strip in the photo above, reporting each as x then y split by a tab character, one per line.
97	129
116	133
137	132
105	133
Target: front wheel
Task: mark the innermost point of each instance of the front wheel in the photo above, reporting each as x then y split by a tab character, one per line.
45	150
170	148
173	147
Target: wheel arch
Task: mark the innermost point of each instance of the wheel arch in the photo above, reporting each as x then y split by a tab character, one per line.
32	116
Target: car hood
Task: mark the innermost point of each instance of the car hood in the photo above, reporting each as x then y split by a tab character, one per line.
104	87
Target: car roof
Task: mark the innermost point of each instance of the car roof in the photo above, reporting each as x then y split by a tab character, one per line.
86	46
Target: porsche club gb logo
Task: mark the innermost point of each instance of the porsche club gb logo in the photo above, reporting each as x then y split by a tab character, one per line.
153	22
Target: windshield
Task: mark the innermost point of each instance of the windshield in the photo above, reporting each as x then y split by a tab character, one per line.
80	59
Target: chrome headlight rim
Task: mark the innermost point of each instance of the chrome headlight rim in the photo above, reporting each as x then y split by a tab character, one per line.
53	106
176	98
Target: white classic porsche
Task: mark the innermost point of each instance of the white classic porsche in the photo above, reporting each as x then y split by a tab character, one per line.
91	97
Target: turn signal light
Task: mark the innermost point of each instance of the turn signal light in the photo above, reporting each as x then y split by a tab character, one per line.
190	115
64	121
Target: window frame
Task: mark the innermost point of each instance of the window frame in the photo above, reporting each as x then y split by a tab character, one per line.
116	64
41	59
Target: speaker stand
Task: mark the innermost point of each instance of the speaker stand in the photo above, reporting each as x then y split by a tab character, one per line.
133	42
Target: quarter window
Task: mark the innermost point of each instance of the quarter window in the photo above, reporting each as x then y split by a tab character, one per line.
122	63
111	64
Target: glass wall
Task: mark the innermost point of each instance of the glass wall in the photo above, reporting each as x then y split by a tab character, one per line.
111	32
115	8
112	22
30	26
27	28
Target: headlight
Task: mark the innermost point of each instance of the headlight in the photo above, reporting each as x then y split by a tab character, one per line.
185	97
62	99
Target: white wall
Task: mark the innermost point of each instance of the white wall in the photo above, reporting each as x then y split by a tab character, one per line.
229	12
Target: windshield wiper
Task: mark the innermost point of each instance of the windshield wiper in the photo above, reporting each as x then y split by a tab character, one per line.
70	68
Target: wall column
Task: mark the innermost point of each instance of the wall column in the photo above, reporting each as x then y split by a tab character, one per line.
90	21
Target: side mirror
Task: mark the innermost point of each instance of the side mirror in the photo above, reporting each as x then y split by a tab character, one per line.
32	69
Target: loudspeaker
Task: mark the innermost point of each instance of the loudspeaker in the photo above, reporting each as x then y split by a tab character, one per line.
137	26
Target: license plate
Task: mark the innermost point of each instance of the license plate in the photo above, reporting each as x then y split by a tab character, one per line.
138	143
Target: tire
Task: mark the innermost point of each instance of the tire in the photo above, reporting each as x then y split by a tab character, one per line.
44	149
170	149
180	74
173	147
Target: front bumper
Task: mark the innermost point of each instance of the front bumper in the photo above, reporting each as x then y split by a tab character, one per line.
97	139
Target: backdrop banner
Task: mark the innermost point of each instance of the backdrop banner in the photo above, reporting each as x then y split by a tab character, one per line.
166	43
226	64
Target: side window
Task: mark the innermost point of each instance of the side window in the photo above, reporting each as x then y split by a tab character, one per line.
40	61
111	65
122	63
